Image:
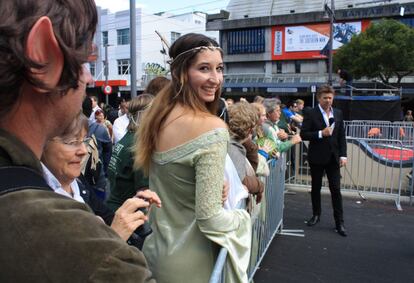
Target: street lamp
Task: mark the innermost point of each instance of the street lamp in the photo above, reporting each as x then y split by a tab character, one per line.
106	71
133	48
331	13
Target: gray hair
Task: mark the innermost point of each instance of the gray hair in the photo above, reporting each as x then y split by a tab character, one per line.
270	104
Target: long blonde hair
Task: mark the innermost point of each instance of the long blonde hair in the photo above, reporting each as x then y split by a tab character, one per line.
183	53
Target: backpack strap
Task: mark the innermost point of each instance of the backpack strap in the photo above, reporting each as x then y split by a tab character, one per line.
17	178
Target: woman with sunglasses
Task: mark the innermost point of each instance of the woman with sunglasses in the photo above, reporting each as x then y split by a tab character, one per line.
61	161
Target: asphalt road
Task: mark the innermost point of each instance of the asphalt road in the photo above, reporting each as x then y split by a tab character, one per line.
379	247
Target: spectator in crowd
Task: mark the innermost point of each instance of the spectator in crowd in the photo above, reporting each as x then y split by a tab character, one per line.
123	179
104	141
43	48
324	128
243	119
271	129
258	99
62	158
92	165
182	145
409	116
345	80
293	119
113	112
100	118
229	102
122	107
121	123
156	85
301	105
95	107
266	148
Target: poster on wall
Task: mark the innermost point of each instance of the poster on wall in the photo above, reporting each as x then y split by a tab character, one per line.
307	41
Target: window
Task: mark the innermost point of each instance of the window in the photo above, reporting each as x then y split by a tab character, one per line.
123	36
174	36
123	66
297	67
246	41
278	67
104	38
198	22
92	68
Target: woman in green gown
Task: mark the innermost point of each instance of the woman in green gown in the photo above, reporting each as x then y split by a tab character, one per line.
182	146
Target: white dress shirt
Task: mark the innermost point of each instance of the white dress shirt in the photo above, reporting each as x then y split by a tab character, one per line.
326	118
119	129
57	187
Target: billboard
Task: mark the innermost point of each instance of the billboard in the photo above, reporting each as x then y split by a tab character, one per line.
307	41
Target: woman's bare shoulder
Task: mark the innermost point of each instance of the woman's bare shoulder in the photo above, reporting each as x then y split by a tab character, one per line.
187	128
208	123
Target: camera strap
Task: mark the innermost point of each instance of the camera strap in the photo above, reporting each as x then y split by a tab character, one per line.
18	178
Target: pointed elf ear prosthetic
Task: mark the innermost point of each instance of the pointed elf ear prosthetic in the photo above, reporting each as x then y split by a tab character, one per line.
43	48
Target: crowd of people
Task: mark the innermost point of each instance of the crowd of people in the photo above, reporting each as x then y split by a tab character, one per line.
132	195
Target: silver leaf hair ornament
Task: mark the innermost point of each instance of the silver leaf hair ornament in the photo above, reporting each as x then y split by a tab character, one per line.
199	48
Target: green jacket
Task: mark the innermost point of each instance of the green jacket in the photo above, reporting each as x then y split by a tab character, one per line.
124	180
46	237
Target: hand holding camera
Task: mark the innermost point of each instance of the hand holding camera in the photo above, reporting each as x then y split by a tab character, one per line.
133	214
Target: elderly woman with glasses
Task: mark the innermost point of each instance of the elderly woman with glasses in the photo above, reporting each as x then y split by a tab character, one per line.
61	161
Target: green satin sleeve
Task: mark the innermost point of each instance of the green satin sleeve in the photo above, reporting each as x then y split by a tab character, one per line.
229	229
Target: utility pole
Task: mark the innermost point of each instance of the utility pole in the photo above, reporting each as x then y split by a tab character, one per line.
106	72
133	48
331	12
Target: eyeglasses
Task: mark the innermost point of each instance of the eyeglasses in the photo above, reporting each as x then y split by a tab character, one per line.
74	143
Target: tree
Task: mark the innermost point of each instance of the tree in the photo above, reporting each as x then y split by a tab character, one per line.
384	50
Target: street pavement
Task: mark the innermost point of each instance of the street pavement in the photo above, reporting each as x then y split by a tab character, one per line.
379	247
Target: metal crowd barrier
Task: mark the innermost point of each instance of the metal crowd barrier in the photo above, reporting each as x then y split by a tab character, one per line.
402	131
375	166
399	130
267	220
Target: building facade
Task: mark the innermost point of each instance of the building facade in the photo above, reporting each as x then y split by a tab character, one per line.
112	40
280	47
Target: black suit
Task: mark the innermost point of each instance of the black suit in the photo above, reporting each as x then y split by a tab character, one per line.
323	156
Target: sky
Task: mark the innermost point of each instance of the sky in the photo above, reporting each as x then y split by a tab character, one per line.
171	6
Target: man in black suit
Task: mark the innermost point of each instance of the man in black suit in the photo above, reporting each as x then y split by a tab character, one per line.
323	126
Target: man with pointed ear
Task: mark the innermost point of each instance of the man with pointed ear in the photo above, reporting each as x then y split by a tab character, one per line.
46	237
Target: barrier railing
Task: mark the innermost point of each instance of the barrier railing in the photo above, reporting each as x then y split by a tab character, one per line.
402	131
375	166
267	220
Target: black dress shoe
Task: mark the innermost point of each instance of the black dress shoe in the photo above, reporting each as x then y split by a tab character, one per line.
315	219
340	229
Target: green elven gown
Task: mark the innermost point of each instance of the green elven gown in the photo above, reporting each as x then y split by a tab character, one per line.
192	225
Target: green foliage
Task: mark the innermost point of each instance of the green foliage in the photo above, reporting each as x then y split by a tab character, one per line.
384	50
155	69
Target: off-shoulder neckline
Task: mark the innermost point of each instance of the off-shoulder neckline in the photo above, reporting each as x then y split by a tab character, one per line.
188	146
